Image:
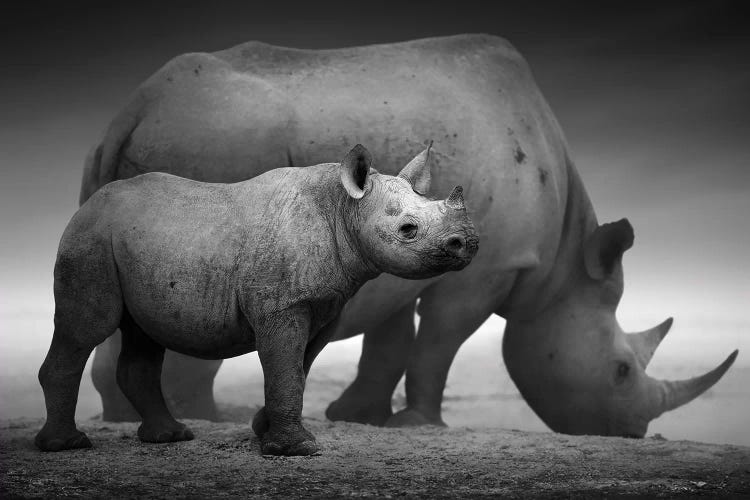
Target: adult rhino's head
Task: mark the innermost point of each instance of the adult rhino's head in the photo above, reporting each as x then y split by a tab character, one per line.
576	367
397	228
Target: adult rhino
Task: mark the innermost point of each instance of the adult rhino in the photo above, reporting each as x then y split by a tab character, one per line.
545	265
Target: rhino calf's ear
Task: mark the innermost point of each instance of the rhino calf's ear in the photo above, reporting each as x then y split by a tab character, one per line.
604	248
355	169
417	172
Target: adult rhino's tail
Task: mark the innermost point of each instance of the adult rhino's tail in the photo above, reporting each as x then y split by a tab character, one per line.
101	162
90	180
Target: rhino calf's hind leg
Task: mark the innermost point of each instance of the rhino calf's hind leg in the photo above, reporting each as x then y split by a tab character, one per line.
60	377
88	307
187	384
139	377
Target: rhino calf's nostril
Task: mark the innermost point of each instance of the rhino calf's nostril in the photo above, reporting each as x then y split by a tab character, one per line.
455	244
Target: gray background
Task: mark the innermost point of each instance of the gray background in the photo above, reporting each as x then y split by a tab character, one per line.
654	100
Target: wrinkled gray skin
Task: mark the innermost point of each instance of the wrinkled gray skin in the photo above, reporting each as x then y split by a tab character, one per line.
255	105
219	270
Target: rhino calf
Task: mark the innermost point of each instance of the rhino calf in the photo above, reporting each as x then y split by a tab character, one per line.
220	270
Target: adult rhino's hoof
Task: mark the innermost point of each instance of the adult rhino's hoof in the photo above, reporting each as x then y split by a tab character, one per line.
164	432
47	441
412	418
359	410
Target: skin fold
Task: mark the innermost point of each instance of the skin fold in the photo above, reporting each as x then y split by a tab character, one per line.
230	115
219	270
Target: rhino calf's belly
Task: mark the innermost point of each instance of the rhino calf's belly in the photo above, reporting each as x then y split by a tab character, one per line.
216	332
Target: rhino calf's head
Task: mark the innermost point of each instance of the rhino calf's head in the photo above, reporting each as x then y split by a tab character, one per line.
397	228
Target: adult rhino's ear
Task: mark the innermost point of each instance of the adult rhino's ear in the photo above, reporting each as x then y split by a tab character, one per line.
604	248
417	172
355	169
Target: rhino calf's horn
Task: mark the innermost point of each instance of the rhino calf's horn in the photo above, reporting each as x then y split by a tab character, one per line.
456	199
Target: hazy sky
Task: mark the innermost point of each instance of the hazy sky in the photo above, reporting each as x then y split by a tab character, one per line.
654	99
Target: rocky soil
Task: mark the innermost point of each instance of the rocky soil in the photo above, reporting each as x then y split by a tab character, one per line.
363	461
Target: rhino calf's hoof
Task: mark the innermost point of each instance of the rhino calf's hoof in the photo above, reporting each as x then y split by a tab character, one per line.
297	442
46	441
164	433
412	418
303	448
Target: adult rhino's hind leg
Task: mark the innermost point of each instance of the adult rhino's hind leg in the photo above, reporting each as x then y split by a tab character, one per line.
385	350
115	406
188	386
139	377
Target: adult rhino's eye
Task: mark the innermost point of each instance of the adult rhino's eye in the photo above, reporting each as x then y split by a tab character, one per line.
623	369
408	231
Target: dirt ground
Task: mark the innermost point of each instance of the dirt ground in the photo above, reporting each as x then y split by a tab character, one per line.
224	460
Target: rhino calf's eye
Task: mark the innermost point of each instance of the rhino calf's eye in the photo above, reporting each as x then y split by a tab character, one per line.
408	231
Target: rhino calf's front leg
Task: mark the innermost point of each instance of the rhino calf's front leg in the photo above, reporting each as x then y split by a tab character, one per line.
314	346
281	341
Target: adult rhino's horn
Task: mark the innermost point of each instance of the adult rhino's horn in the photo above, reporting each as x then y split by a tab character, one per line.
417	172
644	343
677	393
456	199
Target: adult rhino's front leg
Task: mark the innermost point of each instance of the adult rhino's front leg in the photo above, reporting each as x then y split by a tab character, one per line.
281	343
385	352
187	384
450	311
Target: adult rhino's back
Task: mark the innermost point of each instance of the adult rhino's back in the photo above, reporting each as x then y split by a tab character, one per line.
231	115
